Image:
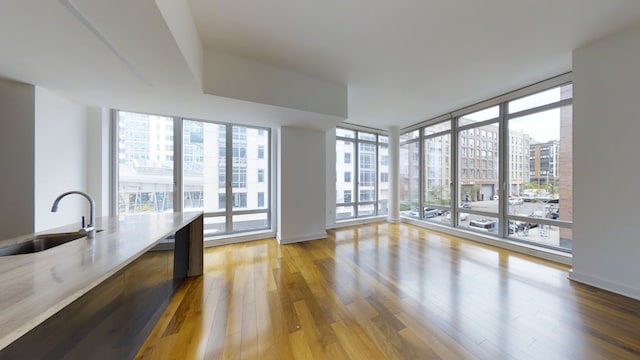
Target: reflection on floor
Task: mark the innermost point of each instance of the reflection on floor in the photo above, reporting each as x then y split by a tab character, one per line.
390	291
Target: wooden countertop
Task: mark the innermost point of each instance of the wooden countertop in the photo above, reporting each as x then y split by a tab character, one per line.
35	286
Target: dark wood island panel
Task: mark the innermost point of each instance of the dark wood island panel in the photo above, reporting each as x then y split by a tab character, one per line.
113	319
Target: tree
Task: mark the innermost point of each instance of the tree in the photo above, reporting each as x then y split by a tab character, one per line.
439	195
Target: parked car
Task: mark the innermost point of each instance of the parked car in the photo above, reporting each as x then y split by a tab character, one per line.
518	226
553	213
466	205
515	201
495	197
432	212
484	224
539	214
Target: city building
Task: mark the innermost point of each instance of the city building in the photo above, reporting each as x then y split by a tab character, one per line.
544	166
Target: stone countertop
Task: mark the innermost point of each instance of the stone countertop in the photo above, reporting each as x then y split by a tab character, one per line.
35	286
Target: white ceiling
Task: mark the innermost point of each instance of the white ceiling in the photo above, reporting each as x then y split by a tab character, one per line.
402	61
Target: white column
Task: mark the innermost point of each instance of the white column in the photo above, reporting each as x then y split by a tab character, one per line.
394	173
301	210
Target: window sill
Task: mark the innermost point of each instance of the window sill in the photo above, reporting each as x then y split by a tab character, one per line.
528	249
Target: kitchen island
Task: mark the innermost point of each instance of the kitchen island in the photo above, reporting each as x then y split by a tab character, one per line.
91	285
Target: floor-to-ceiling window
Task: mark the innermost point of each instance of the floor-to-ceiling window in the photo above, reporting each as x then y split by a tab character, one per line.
436	177
225	170
513	167
362	173
409	176
478	167
540	177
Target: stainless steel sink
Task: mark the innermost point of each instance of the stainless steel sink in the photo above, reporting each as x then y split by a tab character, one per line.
40	243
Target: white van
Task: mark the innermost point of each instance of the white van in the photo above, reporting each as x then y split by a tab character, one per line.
484	224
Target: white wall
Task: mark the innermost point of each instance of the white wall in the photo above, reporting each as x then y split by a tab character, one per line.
301	185
16	158
60	159
606	159
98	153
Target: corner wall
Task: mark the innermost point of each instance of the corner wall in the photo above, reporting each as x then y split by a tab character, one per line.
17	128
60	160
606	129
301	185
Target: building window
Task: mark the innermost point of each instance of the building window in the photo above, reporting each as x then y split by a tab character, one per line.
347	196
239	177
222	201
260	199
240	200
347	177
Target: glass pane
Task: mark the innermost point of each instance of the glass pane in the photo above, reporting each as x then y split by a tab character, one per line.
445	218
480	223
409	180
437	170
434	214
214	226
383	179
482	115
239	147
145	163
542	98
440	127
367	162
541	234
248	222
366	210
478	157
345	133
345	172
366	136
540	164
344	212
204	164
383	139
256	165
410	135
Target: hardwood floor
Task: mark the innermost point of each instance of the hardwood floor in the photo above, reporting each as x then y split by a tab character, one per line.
389	291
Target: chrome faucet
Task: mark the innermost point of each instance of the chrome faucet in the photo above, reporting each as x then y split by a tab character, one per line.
90	229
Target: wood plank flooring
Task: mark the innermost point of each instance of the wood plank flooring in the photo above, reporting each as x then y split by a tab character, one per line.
389	291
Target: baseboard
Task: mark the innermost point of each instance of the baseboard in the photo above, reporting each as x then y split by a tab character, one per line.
614	287
354	222
291	240
237	238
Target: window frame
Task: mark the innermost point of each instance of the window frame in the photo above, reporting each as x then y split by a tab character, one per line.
460	148
178	175
372	186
